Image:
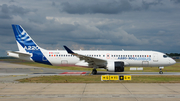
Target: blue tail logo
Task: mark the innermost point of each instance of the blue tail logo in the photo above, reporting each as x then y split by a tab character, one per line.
26	43
24	39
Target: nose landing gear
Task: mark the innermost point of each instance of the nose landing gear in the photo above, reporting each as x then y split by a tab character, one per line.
160	70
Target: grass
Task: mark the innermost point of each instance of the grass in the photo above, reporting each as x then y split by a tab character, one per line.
177	60
97	79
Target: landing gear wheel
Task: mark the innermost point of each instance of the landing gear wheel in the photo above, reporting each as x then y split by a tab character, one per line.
160	72
94	71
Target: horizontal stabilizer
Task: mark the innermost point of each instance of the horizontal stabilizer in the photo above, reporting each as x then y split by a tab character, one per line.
17	52
21	55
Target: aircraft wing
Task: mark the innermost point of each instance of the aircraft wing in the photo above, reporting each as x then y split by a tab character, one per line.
92	61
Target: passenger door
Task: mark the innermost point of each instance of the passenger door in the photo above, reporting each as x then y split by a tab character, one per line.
155	57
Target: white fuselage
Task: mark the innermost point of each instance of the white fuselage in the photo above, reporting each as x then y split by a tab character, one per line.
130	58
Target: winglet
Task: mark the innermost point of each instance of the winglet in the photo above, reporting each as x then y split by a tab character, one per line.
68	50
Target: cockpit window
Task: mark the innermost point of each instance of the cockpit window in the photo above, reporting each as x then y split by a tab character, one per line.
165	56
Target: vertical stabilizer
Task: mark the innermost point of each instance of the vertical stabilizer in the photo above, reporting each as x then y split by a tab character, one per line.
24	41
27	45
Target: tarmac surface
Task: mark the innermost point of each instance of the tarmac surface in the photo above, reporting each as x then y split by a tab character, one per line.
90	92
13	90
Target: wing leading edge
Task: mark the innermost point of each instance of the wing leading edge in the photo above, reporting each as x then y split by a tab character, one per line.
92	61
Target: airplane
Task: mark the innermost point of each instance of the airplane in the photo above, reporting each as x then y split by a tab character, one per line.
112	61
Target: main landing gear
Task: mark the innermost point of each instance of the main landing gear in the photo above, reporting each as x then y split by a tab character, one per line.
94	71
160	70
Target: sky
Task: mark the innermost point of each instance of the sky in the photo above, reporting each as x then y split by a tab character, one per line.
93	24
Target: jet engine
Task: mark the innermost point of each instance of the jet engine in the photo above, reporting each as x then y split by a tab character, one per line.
115	66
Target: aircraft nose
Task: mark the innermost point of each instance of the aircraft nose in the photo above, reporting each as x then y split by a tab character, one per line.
172	61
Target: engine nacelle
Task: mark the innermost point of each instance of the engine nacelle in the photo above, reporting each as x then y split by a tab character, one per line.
115	66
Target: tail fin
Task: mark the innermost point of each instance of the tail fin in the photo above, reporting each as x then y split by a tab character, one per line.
24	41
26	45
